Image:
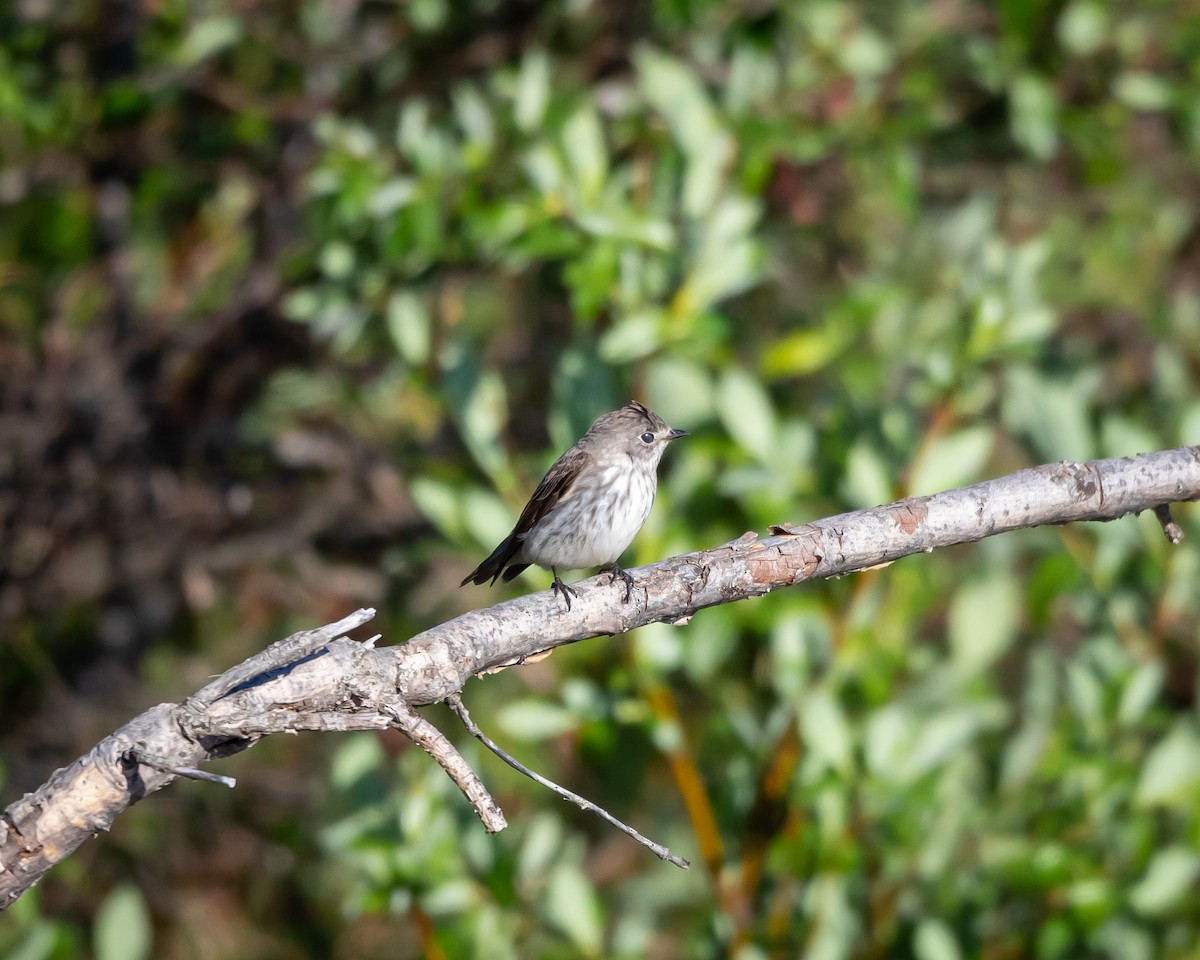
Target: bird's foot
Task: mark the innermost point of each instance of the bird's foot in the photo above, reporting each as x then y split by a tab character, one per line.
618	573
561	588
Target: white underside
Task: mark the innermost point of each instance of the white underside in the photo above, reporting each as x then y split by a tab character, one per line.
595	523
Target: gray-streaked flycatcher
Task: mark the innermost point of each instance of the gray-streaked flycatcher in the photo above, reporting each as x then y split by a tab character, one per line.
590	504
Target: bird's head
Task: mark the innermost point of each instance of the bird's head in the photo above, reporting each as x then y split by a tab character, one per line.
634	430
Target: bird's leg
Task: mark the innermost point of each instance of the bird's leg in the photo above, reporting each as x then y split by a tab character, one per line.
559	587
615	569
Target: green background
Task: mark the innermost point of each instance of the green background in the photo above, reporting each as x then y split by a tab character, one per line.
297	302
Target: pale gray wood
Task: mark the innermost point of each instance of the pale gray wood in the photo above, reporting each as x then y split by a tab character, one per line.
314	680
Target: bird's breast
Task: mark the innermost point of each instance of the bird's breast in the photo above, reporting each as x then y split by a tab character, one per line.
596	521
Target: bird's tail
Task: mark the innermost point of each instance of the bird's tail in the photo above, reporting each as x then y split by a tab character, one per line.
514	569
493	566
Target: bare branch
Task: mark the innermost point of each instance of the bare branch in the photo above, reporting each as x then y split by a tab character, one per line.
317	680
1171	529
582	803
191	773
435	664
279	655
434	742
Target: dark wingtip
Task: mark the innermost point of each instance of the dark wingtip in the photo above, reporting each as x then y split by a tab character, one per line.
480	576
493	566
513	571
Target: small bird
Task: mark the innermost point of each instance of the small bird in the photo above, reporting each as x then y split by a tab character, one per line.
590	504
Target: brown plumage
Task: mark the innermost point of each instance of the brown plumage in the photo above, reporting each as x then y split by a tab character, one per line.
591	503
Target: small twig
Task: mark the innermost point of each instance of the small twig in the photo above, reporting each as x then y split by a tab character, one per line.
430	739
1173	531
158	763
83	797
460	710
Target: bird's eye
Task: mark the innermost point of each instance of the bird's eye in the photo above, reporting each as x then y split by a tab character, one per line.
647	438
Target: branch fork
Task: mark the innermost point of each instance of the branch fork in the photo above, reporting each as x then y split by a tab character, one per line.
319	680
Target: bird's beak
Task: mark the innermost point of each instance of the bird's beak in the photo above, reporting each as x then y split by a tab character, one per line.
676	434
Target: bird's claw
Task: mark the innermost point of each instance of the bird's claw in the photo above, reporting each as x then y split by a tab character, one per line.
617	572
561	588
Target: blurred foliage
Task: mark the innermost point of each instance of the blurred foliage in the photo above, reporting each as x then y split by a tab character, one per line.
298	300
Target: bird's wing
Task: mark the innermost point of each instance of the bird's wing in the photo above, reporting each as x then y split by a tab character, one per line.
556	485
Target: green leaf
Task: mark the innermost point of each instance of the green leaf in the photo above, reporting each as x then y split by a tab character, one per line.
428	15
358	755
674	90
474	116
982	621
336	260
867	481
1140	692
571	905
1143	91
789	657
302	304
1189	425
887	740
122	928
540	845
480	406
208	37
440	504
747	413
952	460
1169	878
1085	693
835	923
532	718
1023	753
494	936
1092	900
1025	750
38	943
805	352
545	170
934	940
582	389
866	54
680	391
676	93
705	173
632	337
1172	768
1121	436
409	326
1083	27
1128	940
392	196
1053	412
587	156
486	517
659	647
533	90
620	223
946	734
827	735
728	260
1034	116
451	899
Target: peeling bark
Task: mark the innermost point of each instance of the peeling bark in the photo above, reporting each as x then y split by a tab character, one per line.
319	680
